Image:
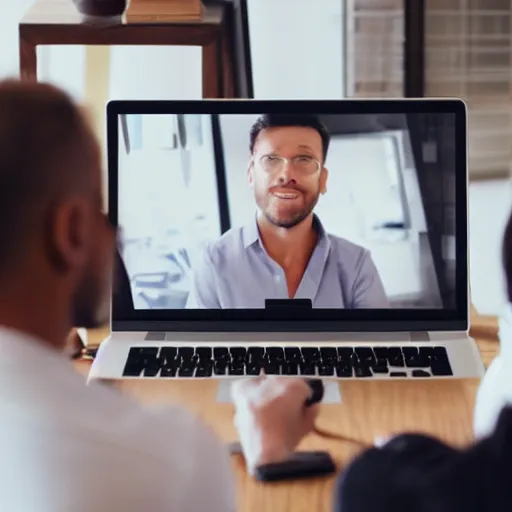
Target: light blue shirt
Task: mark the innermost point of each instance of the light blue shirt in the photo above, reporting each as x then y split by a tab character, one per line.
236	272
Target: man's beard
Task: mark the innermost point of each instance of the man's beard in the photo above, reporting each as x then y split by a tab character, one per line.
91	307
291	220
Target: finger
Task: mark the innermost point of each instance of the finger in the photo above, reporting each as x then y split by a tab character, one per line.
294	385
277	387
299	388
293	390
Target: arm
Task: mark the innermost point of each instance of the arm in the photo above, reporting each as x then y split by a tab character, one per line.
368	290
203	292
188	468
212	489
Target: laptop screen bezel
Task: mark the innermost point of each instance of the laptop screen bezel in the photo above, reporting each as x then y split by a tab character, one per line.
126	318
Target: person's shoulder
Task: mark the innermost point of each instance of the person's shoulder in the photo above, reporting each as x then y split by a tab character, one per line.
225	246
168	436
165	452
348	250
231	237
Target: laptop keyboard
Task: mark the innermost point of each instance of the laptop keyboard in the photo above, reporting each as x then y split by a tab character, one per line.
342	362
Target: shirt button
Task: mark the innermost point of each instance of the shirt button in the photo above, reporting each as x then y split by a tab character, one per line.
277	278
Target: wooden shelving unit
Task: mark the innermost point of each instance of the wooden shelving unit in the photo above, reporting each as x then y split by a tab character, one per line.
57	22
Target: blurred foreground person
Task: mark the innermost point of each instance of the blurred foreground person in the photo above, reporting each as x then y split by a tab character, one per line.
66	446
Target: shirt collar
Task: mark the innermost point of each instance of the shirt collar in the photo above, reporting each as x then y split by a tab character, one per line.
251	233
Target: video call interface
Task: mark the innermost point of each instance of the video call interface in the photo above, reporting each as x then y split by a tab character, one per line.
207	204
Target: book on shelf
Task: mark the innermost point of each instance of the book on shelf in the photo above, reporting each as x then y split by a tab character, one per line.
161	11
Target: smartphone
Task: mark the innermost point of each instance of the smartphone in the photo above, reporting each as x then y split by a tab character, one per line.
301	465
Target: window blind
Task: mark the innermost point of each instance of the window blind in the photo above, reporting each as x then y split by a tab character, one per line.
468	54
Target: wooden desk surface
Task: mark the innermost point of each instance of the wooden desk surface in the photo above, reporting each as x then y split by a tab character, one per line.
368	409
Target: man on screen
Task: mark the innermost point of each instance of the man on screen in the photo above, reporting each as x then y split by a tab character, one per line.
285	252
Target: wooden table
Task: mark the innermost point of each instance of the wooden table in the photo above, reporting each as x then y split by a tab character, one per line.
57	22
483	326
368	409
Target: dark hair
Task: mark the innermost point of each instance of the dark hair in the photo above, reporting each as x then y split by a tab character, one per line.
507	258
274	120
43	152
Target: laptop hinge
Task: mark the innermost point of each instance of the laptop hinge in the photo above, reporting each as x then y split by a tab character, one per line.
414	337
419	336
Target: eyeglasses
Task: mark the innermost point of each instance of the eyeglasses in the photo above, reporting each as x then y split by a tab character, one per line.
304	164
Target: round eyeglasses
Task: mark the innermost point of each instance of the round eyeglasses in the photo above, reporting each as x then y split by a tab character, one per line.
304	164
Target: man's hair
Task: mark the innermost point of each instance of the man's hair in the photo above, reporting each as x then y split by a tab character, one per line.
277	120
507	258
43	153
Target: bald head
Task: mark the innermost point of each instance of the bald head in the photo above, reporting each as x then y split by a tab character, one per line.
47	152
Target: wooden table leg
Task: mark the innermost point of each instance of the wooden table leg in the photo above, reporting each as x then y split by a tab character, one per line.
212	69
228	68
28	60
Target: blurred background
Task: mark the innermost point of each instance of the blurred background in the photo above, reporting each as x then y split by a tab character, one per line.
352	48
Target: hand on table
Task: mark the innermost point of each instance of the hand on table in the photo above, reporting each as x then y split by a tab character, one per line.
271	418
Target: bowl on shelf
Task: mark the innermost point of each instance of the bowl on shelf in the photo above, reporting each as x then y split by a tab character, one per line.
101	8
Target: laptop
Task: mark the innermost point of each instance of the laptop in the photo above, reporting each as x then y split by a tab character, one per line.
313	238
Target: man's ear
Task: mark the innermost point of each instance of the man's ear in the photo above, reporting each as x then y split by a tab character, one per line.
323	180
250	171
69	234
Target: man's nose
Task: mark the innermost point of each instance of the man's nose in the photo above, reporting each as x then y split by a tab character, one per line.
287	172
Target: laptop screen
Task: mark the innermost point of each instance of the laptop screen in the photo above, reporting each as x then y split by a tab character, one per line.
268	211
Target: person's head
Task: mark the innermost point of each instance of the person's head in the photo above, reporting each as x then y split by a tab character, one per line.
507	258
287	166
56	241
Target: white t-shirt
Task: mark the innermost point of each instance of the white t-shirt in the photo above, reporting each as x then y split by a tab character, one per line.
68	447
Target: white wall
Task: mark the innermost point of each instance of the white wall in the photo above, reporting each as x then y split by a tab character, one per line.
155	194
490	204
155	72
297	48
11	12
235	138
